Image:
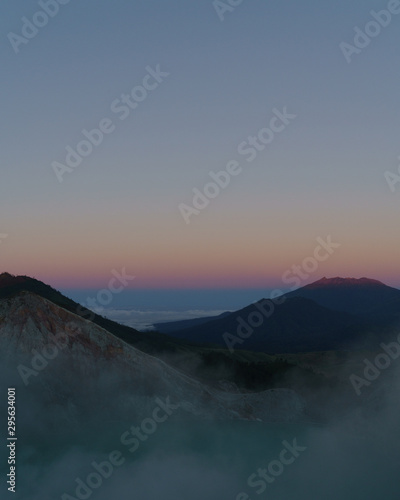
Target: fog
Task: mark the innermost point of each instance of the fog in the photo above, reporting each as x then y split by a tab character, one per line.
144	320
67	421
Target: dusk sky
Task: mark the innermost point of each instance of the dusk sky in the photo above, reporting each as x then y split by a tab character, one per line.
322	175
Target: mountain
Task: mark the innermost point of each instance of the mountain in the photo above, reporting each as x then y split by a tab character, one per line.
175	326
329	314
151	342
246	370
79	367
97	372
297	325
354	296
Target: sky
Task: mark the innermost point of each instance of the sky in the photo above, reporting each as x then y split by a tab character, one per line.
213	81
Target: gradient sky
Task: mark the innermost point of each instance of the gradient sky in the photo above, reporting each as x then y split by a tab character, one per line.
324	175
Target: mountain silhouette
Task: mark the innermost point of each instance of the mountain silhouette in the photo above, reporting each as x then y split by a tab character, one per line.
355	296
329	314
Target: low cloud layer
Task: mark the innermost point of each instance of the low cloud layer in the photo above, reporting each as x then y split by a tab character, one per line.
144	320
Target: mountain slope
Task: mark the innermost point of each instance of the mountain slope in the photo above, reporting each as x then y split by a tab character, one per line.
329	314
150	342
354	296
86	361
297	325
174	326
247	370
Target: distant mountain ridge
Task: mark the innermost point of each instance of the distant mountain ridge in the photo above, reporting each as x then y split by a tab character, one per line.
354	296
331	313
174	326
297	325
343	282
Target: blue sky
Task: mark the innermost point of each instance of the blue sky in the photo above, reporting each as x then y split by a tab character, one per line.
323	175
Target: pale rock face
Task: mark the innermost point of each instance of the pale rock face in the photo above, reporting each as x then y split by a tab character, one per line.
90	360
